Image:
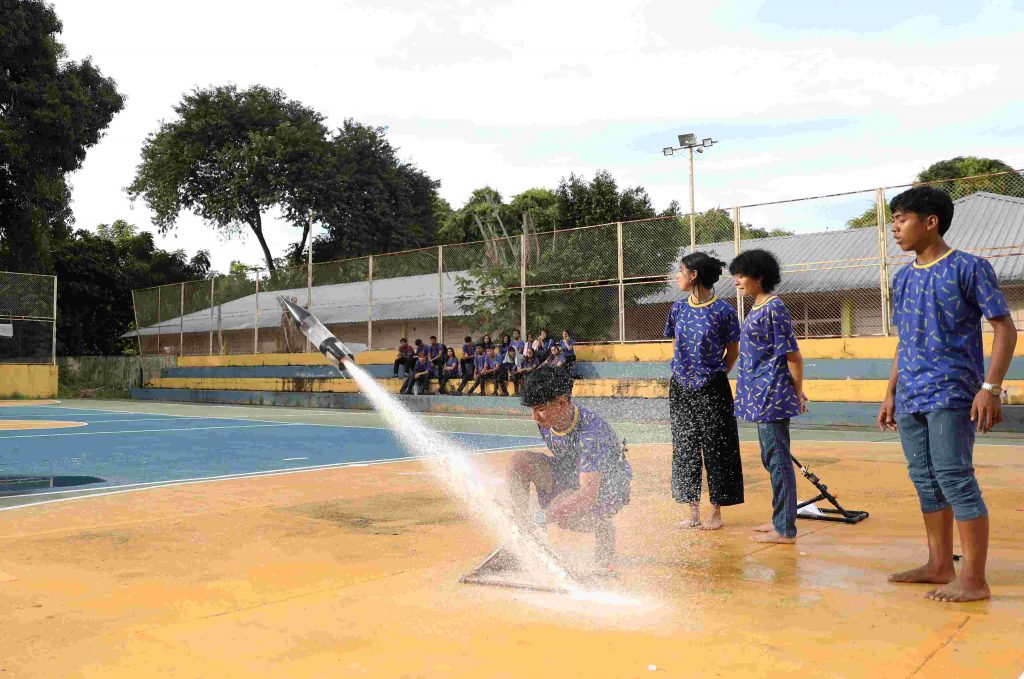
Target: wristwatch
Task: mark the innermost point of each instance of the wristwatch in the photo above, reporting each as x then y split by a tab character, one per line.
994	389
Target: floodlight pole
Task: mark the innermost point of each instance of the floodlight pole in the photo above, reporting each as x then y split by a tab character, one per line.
693	221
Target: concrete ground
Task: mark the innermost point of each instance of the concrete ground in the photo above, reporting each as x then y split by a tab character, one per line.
354	572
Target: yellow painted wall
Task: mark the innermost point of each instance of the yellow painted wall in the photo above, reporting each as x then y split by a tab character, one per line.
839	347
28	381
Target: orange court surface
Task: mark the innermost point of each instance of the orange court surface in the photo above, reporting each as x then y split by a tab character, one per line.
354	572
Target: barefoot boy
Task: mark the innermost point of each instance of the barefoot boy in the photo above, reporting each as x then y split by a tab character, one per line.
769	384
586	479
936	395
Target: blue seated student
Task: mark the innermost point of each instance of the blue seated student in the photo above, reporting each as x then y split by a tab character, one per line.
769	384
568	348
542	346
527	365
585	480
479	364
468	354
518	342
510	368
486	343
503	346
406	357
938	393
706	334
437	352
555	358
450	371
489	370
418	381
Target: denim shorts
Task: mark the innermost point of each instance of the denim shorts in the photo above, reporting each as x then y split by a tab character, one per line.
939	447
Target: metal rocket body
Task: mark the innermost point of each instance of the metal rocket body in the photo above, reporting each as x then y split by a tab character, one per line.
315	331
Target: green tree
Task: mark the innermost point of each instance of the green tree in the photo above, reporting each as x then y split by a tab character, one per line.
373	202
231	156
951	176
52	110
96	274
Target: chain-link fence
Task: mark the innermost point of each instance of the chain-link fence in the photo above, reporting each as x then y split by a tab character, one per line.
28	318
604	283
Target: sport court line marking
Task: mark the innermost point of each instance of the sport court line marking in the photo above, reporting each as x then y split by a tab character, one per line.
147	431
307	424
135	487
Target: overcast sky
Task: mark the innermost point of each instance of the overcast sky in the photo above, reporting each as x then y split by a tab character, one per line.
805	97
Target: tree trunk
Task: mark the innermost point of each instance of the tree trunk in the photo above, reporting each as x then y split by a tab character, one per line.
257	227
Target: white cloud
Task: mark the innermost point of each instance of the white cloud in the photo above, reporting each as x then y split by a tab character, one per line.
519	94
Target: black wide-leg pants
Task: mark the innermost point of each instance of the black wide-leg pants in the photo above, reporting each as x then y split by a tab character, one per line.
704	434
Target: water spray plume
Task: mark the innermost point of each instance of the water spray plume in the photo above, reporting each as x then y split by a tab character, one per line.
452	465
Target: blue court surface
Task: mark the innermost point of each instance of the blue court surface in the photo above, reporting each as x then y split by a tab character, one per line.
116	449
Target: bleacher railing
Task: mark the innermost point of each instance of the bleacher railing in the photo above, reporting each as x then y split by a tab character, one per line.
602	283
28	318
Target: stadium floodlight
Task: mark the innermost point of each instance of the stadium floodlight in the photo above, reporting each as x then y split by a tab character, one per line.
689	142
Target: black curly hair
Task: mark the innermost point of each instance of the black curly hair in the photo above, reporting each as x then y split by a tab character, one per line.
708	268
926	201
758	264
544	385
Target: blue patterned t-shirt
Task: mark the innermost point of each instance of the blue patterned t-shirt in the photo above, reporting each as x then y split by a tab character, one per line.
701	332
764	386
591	445
937	309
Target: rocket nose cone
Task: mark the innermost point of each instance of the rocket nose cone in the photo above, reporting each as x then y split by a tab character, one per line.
297	312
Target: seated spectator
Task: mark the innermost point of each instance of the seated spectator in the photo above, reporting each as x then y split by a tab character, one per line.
510	367
555	358
526	366
489	373
542	346
451	370
437	352
569	351
406	357
506	342
518	343
479	360
418	382
468	354
486	343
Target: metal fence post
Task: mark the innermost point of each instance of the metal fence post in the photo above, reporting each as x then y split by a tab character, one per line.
212	291
159	303
309	283
256	330
138	330
181	324
440	294
522	286
622	285
736	238
883	260
369	307
53	341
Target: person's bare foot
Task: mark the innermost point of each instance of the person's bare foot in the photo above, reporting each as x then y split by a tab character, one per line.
959	591
715	522
764	528
925	573
692	522
773	537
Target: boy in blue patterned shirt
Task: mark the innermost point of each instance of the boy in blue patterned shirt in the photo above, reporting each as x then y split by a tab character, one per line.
769	384
586	479
937	397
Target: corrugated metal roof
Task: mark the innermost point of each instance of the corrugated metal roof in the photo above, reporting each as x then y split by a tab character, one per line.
985	223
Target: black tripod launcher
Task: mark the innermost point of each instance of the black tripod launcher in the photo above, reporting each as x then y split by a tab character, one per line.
839	514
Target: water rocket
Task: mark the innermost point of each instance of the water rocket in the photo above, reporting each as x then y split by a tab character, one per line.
315	331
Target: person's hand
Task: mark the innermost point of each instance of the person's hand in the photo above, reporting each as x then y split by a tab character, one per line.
986	410
887	413
803	402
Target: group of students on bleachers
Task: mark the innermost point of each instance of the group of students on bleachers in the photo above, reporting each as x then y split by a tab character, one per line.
481	363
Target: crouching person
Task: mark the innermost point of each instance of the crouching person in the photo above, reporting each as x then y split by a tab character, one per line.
585	480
